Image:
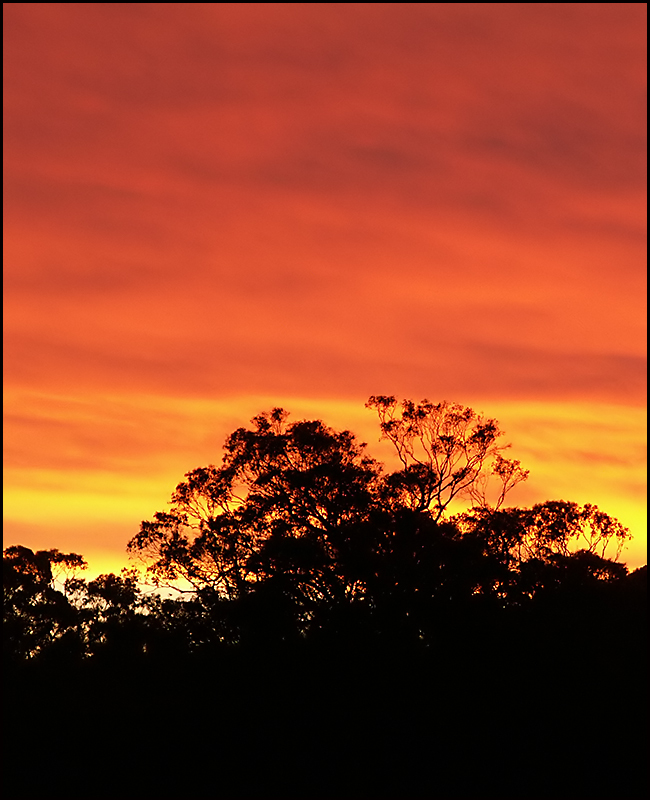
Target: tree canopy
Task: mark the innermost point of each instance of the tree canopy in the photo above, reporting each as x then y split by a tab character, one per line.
299	532
446	451
336	618
304	502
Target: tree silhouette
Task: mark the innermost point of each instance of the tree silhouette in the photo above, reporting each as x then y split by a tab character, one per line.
551	541
279	503
446	451
306	533
337	633
36	615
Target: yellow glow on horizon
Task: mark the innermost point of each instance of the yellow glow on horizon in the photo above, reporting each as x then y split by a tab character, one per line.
587	453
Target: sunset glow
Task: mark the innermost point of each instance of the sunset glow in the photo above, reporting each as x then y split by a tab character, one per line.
212	209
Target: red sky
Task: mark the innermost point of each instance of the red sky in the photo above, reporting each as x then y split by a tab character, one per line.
214	208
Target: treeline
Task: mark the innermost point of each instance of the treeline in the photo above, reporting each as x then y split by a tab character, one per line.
431	581
341	633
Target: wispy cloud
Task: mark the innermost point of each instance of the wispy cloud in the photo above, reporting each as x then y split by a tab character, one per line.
213	200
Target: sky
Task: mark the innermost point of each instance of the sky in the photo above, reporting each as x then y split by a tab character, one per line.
212	209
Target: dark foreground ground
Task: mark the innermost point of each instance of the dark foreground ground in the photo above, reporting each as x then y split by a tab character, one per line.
528	714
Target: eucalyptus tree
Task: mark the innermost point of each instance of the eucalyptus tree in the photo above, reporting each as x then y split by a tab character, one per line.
298	520
37	613
281	505
446	451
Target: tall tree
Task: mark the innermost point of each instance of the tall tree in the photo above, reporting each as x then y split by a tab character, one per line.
278	507
447	451
37	614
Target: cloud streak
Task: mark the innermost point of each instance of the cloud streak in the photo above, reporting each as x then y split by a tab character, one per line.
217	201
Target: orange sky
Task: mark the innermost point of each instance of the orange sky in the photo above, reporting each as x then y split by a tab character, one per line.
213	208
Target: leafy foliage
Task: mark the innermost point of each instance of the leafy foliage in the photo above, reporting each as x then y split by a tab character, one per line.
334	620
279	502
446	451
299	534
36	615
